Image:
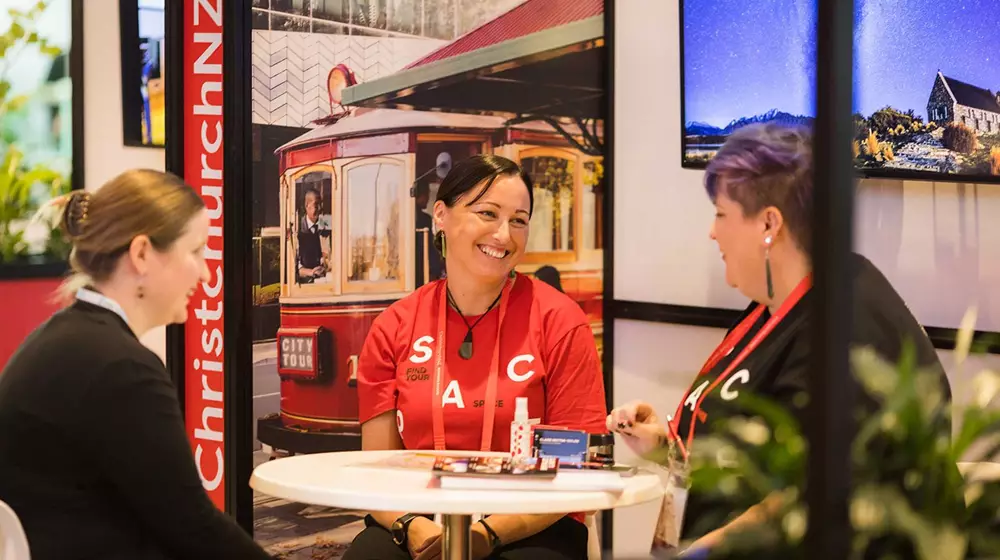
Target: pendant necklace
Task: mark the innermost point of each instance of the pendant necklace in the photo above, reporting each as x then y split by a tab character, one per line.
465	350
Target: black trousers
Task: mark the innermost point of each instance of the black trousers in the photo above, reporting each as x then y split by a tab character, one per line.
565	539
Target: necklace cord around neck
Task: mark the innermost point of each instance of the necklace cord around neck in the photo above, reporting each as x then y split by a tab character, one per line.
451	300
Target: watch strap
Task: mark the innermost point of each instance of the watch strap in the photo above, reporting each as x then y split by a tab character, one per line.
494	538
400	529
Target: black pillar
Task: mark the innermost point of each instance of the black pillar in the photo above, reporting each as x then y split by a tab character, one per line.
608	237
238	246
173	61
829	426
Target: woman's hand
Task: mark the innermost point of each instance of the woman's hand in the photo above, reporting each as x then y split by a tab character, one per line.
423	539
638	425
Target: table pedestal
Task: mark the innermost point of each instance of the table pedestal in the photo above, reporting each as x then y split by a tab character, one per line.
457	539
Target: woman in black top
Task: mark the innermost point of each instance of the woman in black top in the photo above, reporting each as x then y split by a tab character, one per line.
761	185
94	459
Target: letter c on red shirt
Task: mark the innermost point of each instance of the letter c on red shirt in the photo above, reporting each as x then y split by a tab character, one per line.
519	377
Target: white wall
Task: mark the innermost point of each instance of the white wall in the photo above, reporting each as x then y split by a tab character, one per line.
106	155
932	240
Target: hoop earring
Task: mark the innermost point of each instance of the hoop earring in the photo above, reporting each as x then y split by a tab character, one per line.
767	267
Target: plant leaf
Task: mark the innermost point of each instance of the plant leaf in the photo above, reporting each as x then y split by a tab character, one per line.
15	103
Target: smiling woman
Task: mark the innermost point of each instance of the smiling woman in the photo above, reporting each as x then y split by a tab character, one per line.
442	368
761	183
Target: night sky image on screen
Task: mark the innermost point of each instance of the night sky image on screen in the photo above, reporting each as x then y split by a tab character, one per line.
745	62
927	85
927	78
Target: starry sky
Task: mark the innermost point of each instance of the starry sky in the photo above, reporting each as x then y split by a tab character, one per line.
897	55
743	58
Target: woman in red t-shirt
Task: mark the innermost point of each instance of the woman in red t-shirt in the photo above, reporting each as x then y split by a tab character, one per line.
435	361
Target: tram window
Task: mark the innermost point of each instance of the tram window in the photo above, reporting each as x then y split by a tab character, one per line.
313	196
266	269
373	222
553	220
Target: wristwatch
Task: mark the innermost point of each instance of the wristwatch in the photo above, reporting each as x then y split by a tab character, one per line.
400	527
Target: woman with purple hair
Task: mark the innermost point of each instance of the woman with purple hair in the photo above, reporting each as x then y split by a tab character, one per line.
761	182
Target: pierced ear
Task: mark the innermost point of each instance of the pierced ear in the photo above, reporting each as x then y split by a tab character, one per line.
773	221
138	252
440	211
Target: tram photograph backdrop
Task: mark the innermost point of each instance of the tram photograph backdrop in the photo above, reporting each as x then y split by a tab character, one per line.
358	112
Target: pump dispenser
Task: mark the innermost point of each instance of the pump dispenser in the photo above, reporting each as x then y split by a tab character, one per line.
520	430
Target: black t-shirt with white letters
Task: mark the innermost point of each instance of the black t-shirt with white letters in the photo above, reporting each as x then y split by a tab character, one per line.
778	370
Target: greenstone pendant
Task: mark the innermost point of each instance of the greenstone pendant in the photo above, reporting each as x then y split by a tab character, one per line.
465	350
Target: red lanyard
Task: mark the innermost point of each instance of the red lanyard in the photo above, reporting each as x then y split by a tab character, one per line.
724	349
440	369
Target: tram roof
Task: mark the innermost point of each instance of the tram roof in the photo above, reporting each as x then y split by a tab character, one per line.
544	57
371	122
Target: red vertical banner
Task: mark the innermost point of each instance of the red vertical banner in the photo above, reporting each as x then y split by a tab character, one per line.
203	375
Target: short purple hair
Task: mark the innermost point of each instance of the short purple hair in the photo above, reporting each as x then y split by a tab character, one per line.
765	165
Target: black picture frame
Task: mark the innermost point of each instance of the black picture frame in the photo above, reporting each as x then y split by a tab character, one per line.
131	63
943	338
46	267
861	173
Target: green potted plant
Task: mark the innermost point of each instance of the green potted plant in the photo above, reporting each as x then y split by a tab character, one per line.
909	500
23	186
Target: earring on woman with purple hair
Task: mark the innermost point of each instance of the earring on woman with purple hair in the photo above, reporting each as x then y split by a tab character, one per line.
767	266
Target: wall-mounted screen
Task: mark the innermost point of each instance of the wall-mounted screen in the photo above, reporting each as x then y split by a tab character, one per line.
744	63
927	81
927	88
142	29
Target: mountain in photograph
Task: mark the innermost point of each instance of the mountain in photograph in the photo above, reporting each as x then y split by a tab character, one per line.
774	115
701	129
702	140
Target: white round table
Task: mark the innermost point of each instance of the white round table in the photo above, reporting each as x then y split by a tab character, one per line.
345	480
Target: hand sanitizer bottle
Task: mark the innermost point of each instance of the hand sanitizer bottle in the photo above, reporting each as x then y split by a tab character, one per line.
520	430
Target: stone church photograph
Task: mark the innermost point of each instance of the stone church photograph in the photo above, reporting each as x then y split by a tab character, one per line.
927	86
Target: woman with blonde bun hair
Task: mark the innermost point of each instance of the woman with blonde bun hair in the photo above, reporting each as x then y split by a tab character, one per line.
94	458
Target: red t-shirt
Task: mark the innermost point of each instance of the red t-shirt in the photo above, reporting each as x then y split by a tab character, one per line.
547	353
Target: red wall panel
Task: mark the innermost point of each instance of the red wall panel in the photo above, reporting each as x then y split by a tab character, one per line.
24	304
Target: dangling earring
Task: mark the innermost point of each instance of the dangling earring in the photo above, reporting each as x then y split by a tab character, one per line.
513	273
139	292
767	266
444	246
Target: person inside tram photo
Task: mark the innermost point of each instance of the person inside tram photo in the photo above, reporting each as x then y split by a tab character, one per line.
441	368
314	239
